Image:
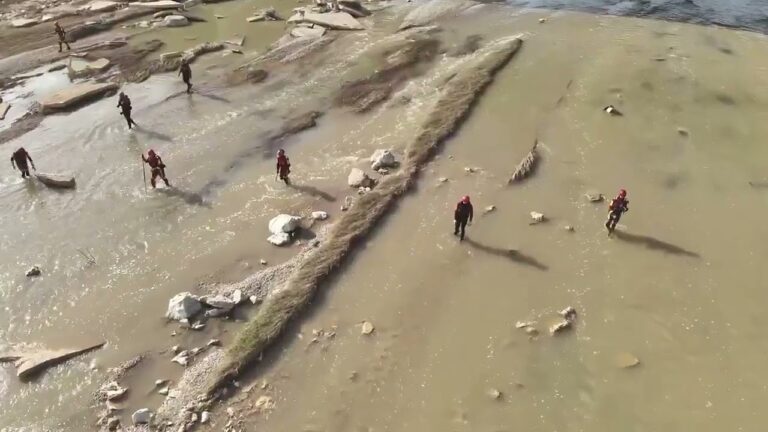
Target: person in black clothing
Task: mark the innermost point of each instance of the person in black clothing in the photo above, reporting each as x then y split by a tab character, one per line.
124	102
618	207
463	214
19	160
186	74
62	36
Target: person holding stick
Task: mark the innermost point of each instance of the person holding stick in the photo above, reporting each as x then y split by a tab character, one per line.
156	166
283	166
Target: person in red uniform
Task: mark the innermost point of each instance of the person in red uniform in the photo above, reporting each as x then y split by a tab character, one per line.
19	160
618	206
283	166
157	166
463	214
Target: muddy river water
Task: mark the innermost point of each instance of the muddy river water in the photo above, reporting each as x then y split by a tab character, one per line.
679	288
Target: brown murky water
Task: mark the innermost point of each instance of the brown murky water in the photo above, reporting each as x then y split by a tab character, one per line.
680	290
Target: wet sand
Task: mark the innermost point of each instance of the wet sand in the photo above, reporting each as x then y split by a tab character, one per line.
444	313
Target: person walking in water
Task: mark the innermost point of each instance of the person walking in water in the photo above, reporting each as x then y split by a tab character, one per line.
124	102
62	36
186	74
464	213
19	160
283	166
157	167
618	206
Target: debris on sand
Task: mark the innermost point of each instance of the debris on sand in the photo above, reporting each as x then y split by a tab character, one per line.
610	109
683	132
537	218
268	14
568	317
367	328
34	271
495	394
31	362
526	166
626	360
319	215
112	391
594	196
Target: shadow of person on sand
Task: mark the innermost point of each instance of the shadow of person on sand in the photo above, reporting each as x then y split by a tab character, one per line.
190	198
654	244
152	134
210	96
509	254
313	191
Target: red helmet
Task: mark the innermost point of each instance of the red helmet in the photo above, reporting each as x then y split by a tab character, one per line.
280	152
465	199
622	193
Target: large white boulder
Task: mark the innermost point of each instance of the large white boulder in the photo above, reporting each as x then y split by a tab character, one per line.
142	416
284	223
333	20
383	159
183	306
175	21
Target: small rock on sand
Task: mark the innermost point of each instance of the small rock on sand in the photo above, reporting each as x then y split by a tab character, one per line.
263	262
34	271
175	21
264	403
280	239
367	328
471	170
182	358
568	313
625	360
537	217
495	394
204	417
683	131
489	209
559	326
141	416
284	223
319	215
594	196
569	228
214	342
163	391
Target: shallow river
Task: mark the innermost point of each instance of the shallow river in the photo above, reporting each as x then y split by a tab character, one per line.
680	289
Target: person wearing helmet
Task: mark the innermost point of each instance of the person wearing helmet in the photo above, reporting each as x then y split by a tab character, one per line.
283	166
186	74
618	206
157	166
124	103
62	36
463	214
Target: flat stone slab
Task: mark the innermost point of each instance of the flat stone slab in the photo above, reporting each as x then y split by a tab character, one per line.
31	363
334	20
307	32
101	6
79	67
4	107
74	95
24	22
159	4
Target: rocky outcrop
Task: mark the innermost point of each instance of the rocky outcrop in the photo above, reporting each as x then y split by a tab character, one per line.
183	306
75	95
78	68
24	22
433	10
333	20
100	6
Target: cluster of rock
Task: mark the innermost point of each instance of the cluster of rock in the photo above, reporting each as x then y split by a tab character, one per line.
185	307
566	320
333	15
382	161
